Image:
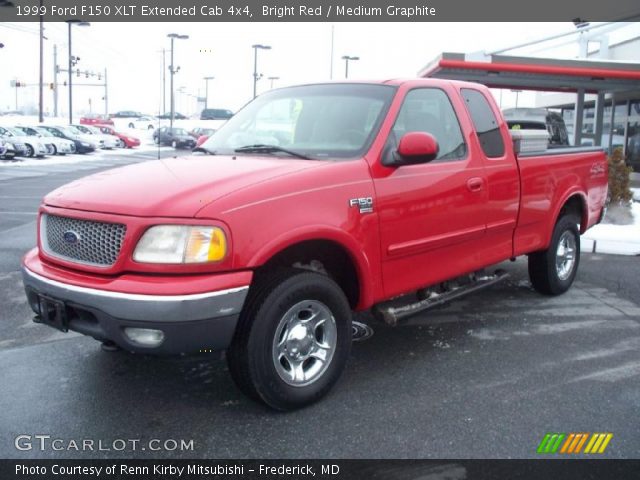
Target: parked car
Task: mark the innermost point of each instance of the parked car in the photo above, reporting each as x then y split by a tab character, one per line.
146	122
126	141
28	146
216	114
202	139
176	137
176	116
95	119
82	144
105	141
126	114
200	131
48	141
394	196
60	146
7	150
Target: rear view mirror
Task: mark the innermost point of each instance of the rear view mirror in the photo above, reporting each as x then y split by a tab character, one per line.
414	148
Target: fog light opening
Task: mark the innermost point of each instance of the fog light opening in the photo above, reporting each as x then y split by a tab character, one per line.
145	337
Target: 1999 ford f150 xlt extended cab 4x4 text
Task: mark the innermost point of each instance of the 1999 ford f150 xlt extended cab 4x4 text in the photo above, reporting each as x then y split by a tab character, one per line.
308	204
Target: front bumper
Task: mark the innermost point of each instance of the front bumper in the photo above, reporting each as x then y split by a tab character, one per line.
189	322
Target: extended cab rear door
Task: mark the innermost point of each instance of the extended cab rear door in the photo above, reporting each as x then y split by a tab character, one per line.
432	215
501	171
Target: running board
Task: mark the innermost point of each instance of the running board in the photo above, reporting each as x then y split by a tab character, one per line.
393	311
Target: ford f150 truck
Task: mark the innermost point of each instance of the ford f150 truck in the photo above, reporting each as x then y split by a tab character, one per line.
310	203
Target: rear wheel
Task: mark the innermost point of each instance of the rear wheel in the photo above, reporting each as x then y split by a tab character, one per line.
131	125
553	270
293	339
30	151
54	149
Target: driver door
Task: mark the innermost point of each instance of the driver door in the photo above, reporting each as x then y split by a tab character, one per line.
432	215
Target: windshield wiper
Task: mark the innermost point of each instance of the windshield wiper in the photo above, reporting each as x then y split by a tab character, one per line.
261	148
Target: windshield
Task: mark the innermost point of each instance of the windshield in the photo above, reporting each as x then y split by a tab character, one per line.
72	130
317	121
16	132
44	132
178	131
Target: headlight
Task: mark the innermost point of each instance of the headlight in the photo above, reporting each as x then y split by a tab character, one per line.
86	144
181	244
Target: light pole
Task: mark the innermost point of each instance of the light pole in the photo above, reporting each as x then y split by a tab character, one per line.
173	71
346	59
272	80
206	91
255	65
516	92
72	61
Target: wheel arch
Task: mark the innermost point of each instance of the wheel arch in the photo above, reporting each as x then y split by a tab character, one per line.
340	255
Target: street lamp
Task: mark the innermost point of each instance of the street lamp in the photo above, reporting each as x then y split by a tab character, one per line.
346	59
206	91
72	61
255	65
272	79
516	92
173	71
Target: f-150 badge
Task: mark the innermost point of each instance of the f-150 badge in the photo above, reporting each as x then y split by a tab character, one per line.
364	203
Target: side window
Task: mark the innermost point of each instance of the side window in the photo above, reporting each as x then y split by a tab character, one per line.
485	123
429	110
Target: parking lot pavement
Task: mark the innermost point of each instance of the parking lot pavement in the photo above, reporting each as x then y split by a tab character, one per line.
486	376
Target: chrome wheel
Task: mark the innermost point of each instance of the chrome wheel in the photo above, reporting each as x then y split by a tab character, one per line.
565	255
304	343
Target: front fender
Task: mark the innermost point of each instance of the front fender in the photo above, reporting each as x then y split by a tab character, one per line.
368	278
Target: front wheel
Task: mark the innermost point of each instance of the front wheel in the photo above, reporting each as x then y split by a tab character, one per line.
131	125
293	339
552	271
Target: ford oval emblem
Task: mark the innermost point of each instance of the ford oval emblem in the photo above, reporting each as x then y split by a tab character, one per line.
70	237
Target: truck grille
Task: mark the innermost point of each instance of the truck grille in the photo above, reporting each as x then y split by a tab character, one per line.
82	241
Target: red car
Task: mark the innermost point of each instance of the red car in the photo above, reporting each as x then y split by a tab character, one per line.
127	140
95	119
201	140
392	197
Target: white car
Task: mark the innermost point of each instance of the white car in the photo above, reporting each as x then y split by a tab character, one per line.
60	146
106	141
144	123
34	147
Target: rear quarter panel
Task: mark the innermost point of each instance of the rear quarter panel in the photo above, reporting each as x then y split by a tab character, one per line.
547	183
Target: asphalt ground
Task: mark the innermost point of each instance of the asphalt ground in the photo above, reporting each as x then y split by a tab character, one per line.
484	377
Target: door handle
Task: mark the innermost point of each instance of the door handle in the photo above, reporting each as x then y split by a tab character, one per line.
475	184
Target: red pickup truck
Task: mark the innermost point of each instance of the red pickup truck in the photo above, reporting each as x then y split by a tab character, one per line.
312	202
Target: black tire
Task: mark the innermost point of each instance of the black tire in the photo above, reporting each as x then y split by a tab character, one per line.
156	140
131	125
30	151
54	150
250	357
545	275
150	127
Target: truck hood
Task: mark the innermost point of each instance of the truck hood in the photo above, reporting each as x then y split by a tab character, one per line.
177	187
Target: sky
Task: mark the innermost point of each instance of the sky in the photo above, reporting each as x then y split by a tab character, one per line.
300	53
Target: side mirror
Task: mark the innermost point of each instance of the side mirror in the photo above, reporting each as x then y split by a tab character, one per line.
414	148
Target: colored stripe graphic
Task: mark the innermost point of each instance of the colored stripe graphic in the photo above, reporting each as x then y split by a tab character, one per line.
551	442
572	443
598	443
